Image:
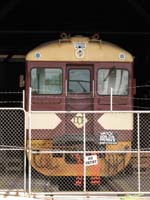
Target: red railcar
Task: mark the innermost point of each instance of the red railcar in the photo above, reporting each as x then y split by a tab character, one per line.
80	74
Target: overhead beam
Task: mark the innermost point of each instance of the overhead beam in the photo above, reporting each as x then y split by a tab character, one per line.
11	58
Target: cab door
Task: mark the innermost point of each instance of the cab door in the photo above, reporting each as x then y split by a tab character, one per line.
79	85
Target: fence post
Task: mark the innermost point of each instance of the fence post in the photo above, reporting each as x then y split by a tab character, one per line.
29	143
23	99
84	155
138	129
25	145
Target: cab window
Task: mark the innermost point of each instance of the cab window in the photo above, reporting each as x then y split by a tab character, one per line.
117	79
46	80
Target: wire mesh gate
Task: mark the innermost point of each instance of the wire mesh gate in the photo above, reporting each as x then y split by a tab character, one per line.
12	150
97	152
104	152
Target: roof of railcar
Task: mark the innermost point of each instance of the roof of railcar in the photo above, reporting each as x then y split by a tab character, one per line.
66	50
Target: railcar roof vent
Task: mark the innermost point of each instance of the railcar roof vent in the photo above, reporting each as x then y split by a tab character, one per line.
96	38
64	37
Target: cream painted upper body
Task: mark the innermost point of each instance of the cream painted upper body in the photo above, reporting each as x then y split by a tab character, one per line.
65	50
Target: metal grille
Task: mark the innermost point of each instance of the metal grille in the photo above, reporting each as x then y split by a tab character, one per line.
12	138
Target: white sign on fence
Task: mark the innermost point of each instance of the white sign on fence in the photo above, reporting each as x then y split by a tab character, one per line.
91	160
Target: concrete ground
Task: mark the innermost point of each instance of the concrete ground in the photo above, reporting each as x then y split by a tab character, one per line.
21	197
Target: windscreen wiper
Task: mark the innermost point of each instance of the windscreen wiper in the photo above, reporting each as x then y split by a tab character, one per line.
108	74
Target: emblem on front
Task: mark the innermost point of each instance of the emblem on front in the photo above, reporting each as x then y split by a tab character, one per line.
78	120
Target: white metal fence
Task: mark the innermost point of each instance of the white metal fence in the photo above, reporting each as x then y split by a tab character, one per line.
12	149
75	152
97	152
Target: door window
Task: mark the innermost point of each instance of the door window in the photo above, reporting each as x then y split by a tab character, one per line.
79	81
